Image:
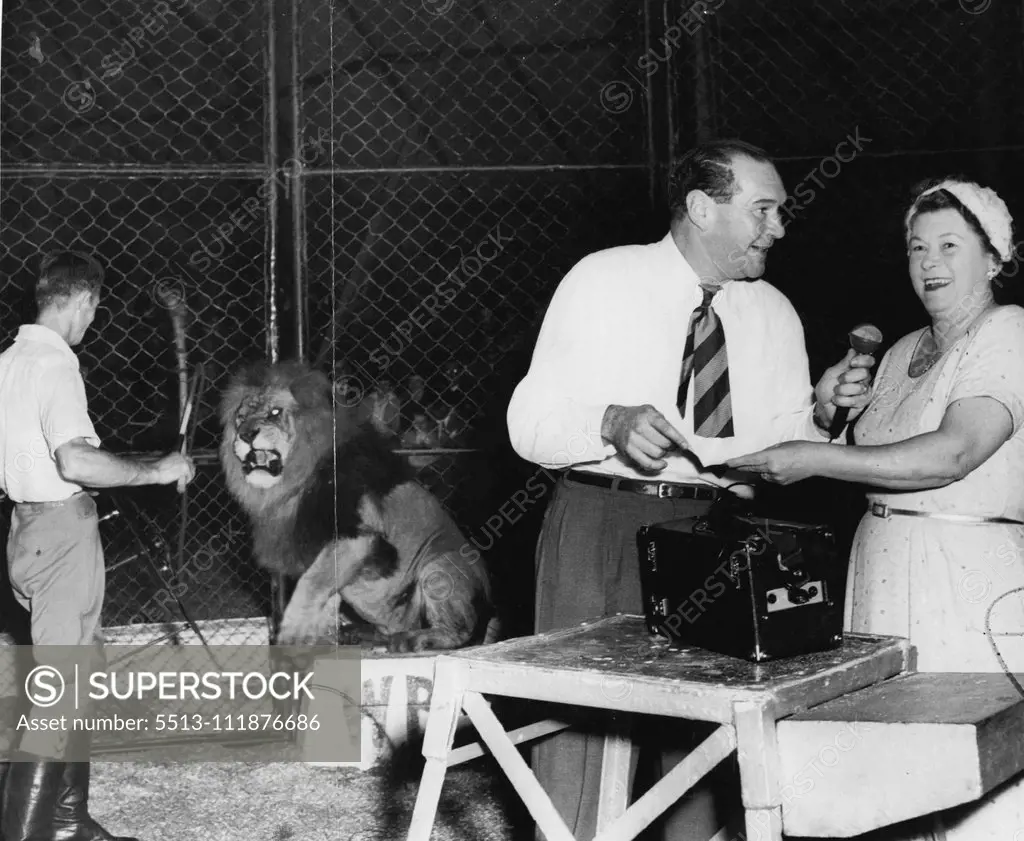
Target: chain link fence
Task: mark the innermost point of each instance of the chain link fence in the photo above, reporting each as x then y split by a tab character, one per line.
859	101
918	77
388	191
131	369
137	132
393	192
449	153
157	82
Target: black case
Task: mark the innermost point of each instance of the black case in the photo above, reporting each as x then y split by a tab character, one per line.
750	587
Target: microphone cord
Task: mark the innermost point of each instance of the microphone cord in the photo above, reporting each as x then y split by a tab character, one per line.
988	633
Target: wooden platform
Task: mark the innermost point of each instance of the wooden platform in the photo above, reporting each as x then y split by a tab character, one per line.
909	746
615	664
832	744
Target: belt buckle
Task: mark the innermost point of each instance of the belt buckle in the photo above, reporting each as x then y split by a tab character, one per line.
664	490
880	509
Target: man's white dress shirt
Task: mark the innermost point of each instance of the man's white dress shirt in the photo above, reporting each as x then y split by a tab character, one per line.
42	406
615	333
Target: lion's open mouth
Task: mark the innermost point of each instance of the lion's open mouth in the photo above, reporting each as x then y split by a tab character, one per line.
268	460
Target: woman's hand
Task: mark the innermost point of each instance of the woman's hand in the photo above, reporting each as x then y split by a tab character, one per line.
782	464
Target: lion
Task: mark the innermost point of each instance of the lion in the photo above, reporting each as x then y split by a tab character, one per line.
333	506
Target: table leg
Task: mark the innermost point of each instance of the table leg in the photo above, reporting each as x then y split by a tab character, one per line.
518	772
618	752
445	707
757	748
697	765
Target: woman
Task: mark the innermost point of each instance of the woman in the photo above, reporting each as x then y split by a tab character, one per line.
941	447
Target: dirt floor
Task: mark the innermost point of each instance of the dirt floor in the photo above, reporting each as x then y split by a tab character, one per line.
234	794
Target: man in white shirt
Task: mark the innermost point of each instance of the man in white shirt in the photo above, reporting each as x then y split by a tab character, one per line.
49	451
605	397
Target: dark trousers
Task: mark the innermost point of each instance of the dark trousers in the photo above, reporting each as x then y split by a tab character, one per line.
587	568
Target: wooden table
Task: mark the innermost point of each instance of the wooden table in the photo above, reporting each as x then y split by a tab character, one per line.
615	664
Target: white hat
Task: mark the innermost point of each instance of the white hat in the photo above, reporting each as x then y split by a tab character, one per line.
985	204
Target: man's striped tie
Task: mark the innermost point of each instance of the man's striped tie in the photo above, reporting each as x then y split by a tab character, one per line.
706	359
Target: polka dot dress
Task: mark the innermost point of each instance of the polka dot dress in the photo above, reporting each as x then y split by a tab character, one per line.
935	582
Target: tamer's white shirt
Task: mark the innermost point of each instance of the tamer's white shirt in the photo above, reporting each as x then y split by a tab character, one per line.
615	333
42	406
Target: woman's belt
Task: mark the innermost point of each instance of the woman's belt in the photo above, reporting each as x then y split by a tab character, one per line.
880	509
662	490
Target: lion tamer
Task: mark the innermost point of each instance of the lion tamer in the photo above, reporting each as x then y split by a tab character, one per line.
332	505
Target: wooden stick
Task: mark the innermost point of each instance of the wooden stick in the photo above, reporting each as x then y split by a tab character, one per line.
523	734
182	430
182	439
171	295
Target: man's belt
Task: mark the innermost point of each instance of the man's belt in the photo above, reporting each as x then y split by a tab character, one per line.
879	509
662	490
54	503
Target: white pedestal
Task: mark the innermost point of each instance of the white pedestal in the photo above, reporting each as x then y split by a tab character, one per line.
394	703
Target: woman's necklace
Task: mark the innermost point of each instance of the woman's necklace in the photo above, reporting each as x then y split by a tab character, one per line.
928	352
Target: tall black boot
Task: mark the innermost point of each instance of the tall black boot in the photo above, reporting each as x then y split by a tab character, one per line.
71	819
29	796
4	766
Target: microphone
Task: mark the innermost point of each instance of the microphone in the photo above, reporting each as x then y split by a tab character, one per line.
864	338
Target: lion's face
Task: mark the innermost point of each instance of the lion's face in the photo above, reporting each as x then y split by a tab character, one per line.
278	422
264	433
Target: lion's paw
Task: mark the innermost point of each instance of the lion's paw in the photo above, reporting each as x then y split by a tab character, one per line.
291	660
303	624
410	642
401	642
361	635
297	633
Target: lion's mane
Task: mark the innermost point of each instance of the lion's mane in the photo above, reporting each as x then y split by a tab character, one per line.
335	458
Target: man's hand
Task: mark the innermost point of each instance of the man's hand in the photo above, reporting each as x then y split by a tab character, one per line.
174	468
783	464
847	383
641	434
